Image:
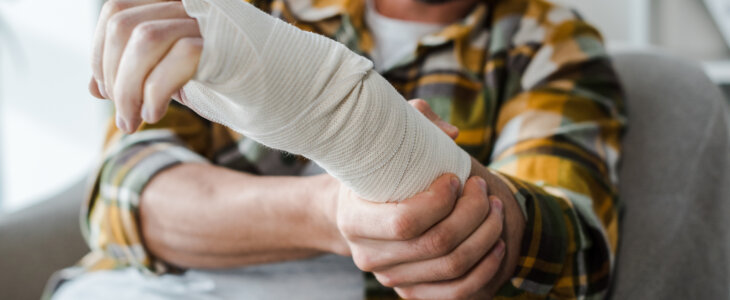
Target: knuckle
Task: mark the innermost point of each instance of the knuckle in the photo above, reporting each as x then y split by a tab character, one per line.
454	266
438	243
119	24
346	227
363	262
386	280
403	227
444	197
113	6
148	32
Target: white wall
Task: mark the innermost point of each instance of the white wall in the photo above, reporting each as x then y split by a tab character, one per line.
684	27
50	127
622	22
687	27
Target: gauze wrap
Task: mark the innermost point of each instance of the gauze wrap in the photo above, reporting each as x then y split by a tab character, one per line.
306	94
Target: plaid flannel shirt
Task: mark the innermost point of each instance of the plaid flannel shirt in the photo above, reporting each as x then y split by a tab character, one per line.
528	84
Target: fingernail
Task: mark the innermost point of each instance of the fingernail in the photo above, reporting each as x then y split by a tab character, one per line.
121	124
482	183
146	114
499	248
102	89
497	204
454	182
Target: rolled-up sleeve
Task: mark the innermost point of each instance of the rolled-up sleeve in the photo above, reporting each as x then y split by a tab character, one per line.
110	215
110	221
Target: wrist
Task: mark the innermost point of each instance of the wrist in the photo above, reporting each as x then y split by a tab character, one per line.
322	211
514	224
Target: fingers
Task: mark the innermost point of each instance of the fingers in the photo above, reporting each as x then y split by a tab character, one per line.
425	109
468	215
149	42
463	287
168	77
121	26
359	218
94	89
455	264
109	9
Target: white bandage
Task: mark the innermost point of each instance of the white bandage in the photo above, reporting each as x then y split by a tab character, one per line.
306	94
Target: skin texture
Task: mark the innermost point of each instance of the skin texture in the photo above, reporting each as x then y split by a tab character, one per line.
441	243
217	233
143	52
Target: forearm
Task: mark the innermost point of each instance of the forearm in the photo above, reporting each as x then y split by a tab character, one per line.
514	224
199	215
309	95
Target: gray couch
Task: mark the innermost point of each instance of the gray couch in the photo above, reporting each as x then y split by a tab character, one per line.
675	187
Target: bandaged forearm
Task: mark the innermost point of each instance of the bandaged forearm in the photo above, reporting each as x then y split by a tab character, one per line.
306	94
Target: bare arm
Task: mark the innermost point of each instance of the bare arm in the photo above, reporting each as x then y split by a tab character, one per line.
203	216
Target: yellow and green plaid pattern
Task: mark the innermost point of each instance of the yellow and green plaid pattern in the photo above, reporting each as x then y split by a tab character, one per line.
527	82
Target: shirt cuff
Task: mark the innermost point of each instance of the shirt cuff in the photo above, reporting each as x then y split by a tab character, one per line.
545	240
112	220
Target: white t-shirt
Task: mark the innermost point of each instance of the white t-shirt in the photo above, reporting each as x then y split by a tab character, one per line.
395	40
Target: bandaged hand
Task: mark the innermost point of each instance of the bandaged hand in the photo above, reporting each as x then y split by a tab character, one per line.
306	94
285	88
438	244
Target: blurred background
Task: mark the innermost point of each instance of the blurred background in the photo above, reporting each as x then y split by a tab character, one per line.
51	128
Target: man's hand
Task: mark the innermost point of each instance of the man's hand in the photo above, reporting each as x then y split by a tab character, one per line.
144	51
438	244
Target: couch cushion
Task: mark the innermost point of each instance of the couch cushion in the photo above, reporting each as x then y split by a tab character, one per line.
37	241
675	182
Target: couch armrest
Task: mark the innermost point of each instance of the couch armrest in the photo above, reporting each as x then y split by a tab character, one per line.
675	182
39	240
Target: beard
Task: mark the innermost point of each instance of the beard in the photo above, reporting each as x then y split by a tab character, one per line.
436	1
